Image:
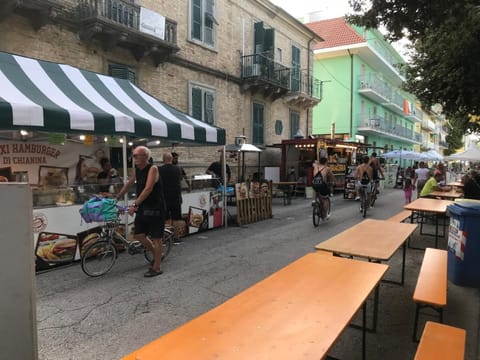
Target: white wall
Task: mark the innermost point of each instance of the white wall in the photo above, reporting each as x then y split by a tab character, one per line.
18	328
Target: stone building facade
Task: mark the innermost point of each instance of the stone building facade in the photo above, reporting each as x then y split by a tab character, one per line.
243	65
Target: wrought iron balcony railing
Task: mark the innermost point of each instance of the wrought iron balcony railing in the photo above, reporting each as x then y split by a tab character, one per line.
123	13
260	67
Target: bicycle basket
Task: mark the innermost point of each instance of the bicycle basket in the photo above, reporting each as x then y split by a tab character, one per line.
98	209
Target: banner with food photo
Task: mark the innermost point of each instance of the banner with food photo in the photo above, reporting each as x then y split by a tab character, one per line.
88	237
198	219
69	162
54	250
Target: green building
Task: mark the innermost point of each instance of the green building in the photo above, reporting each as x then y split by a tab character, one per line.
362	96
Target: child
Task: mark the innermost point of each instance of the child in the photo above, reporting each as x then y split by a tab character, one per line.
408	190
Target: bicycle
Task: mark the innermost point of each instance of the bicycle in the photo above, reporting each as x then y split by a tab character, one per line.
99	257
374	194
364	196
321	209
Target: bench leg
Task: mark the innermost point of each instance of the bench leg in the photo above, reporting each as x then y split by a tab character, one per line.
417	314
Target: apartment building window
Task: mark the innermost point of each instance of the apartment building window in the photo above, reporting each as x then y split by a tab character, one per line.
122	72
203	22
202	103
295	68
279	56
258	124
294	123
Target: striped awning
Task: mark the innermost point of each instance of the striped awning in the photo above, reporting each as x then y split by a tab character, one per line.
44	96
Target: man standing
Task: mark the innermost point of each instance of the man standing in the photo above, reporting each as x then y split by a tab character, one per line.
171	177
184	175
421	176
149	206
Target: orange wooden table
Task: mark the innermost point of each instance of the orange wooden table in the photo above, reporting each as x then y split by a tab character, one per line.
432	206
364	240
296	313
447	195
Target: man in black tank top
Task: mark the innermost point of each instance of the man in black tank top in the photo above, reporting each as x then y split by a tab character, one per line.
149	206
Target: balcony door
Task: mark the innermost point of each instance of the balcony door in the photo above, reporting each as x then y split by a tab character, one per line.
295	81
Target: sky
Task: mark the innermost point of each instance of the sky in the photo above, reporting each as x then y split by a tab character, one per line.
330	8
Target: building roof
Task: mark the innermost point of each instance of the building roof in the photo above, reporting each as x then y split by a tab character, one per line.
336	32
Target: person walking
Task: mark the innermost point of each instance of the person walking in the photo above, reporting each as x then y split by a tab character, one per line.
421	176
171	177
149	206
408	190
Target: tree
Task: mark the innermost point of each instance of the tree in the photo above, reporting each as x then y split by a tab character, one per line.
445	37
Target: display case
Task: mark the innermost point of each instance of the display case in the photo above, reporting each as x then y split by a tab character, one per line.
338	171
349	184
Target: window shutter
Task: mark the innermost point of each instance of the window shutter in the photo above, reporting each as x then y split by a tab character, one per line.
259	34
269	43
257	124
295	69
197	103
197	19
209	108
122	72
294	123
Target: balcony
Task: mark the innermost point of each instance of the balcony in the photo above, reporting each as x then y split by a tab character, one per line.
118	23
373	88
416	115
375	124
305	90
394	103
428	124
39	12
261	74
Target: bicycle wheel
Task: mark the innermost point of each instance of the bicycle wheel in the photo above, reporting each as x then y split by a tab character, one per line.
166	243
364	203
373	196
99	258
326	208
316	213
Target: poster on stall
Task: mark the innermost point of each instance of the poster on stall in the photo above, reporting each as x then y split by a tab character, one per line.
52	165
457	238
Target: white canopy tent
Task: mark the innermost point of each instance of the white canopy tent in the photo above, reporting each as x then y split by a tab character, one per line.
471	154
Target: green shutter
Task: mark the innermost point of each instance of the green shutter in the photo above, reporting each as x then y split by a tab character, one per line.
197	103
209	108
294	123
269	43
295	82
259	37
197	19
122	72
257	124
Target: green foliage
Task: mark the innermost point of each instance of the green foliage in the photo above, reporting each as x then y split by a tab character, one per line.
445	37
455	135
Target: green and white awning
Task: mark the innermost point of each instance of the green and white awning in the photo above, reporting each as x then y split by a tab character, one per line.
45	96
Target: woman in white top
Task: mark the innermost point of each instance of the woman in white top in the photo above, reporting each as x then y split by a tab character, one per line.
421	176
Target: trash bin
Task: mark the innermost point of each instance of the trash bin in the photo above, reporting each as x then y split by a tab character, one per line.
464	244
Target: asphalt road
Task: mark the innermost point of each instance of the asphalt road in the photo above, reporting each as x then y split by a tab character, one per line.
109	317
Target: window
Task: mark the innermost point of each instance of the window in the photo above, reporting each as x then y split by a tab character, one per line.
202	22
202	104
295	69
279	56
122	72
294	123
258	124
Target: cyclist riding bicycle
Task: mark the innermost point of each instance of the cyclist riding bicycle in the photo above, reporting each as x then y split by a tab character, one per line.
322	179
376	170
364	176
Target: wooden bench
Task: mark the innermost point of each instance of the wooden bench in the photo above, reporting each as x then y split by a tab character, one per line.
441	342
401	216
431	288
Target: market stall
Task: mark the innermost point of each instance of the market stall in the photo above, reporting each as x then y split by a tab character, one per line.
298	156
57	121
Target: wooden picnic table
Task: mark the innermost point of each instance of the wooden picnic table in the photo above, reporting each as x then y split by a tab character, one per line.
456	183
287	188
447	195
296	313
426	205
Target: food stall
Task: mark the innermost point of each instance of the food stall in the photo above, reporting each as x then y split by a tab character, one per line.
298	156
57	121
